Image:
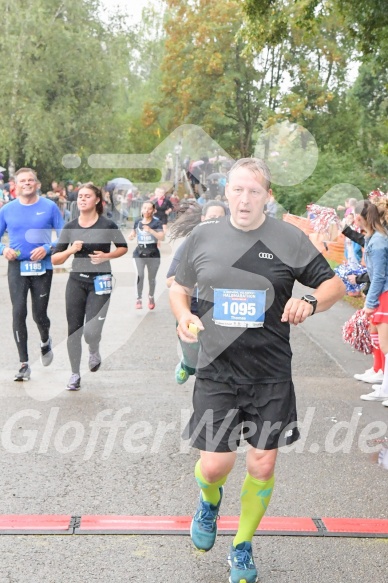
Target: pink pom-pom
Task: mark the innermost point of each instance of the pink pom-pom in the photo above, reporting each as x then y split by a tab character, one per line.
376	193
356	332
323	218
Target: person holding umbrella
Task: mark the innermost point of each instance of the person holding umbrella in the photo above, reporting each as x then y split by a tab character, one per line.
118	189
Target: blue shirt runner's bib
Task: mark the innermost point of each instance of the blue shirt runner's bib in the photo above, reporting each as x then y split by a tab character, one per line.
103	284
32	268
244	308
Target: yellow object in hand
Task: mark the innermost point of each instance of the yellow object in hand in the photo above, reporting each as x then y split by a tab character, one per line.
193	329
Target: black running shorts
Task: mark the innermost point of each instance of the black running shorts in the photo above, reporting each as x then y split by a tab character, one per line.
263	414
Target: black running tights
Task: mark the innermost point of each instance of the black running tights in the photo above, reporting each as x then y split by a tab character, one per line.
86	312
39	287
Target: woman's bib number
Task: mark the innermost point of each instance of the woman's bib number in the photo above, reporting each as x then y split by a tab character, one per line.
103	284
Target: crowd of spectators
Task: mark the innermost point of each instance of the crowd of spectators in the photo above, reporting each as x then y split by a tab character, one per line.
123	203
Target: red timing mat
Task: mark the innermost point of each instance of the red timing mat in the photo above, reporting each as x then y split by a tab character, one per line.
180	525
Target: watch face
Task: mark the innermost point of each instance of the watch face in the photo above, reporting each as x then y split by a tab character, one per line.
310	298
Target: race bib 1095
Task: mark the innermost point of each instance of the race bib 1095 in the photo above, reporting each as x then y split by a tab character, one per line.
242	308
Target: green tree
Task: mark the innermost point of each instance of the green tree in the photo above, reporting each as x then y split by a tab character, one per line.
56	92
367	21
209	74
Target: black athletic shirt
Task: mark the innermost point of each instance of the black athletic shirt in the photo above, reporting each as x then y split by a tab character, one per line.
161	210
147	239
98	237
174	268
272	257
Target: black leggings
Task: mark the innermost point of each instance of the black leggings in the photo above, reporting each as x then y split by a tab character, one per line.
86	312
39	286
152	264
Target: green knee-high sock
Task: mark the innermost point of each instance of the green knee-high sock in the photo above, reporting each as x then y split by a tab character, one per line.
210	492
255	497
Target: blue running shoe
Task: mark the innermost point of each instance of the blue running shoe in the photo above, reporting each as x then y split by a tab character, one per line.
181	376
242	566
203	530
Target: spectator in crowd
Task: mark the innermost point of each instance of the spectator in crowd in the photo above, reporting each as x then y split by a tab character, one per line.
71	193
186	163
350	203
10	188
271	207
163	206
202	199
174	199
56	187
353	251
371	219
62	205
169	166
213	188
3	193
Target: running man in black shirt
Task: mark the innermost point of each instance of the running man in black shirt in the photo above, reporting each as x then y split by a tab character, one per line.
89	286
245	266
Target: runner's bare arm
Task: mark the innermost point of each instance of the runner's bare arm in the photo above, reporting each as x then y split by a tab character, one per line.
98	257
327	294
61	256
159	235
180	298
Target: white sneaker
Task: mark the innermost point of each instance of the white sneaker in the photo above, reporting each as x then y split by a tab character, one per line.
385	403
368	372
370	376
374	396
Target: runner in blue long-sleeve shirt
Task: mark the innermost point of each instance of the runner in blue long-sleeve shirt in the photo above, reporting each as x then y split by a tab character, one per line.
29	221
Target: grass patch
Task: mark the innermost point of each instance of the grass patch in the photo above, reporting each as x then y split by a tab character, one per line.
333	264
357	303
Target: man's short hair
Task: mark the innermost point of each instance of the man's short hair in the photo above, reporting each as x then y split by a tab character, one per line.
24	170
256	165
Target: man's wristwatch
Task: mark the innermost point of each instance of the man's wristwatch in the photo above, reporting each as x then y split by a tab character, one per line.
312	300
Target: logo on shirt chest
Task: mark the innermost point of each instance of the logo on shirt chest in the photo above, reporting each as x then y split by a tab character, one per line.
265	255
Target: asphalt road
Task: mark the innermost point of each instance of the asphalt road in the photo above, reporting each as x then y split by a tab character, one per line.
58	458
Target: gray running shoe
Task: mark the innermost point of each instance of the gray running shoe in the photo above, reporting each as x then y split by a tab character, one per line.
23	374
47	355
74	383
94	361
